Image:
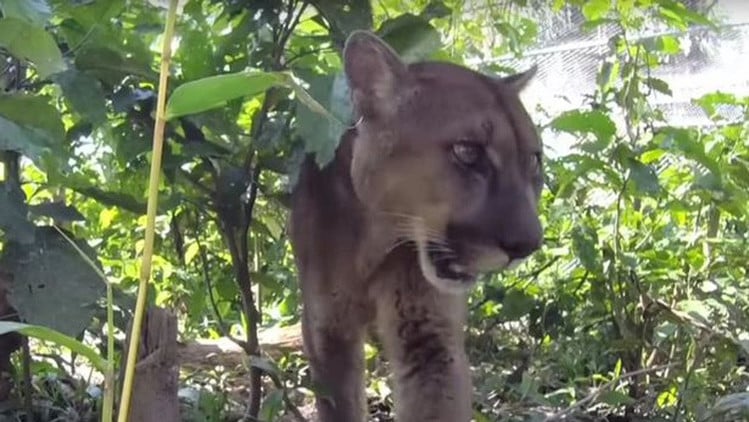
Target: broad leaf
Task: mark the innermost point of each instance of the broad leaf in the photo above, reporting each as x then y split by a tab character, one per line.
32	43
585	246
57	211
215	91
321	136
643	176
117	199
30	126
84	93
13	214
56	337
110	65
411	36
37	12
345	16
53	285
594	122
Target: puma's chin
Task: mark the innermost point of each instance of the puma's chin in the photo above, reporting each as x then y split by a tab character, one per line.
448	273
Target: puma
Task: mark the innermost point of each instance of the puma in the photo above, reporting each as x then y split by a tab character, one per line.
437	182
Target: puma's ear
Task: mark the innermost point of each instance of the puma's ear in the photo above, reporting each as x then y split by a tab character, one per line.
519	81
374	71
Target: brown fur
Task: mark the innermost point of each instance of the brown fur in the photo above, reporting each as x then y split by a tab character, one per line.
395	230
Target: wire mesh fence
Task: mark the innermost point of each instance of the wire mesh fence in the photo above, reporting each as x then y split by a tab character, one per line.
569	58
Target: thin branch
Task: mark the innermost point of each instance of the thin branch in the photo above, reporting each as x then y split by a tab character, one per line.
222	326
598	391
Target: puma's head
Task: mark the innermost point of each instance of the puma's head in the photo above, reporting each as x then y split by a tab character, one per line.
450	155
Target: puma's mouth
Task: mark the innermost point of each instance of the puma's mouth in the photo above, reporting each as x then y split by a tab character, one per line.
447	265
453	265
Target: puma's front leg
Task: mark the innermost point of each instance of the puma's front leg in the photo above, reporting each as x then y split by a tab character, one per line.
334	346
422	330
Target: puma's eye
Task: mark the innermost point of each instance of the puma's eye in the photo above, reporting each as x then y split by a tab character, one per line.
535	163
467	153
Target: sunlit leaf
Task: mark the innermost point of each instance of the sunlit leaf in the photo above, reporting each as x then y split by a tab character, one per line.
321	136
644	177
48	334
595	123
215	91
596	9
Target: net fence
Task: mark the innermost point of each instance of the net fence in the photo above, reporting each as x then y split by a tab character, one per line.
569	58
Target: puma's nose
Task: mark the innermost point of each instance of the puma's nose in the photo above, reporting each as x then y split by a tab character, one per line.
522	239
521	248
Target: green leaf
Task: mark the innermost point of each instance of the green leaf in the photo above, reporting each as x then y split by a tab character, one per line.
710	102
110	65
435	9
32	43
345	16
56	337
30	126
593	122
616	398
643	176
596	9
686	143
84	93
516	304
659	85
116	199
321	136
57	211
215	91
585	247
40	294
13	213
680	16
36	12
273	406
411	36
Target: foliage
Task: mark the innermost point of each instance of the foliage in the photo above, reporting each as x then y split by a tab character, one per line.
635	305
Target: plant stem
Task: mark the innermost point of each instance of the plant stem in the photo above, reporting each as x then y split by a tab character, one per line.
107	408
153	194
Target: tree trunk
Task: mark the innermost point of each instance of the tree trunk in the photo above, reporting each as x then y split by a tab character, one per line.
156	381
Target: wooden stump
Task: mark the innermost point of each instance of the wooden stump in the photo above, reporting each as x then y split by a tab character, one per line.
156	383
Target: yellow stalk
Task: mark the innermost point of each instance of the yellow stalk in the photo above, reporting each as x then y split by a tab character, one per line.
153	196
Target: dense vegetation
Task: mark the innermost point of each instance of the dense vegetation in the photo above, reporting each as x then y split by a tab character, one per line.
635	309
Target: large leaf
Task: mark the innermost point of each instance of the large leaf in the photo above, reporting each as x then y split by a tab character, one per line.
644	177
110	65
345	16
30	126
57	211
321	136
36	12
13	214
47	334
411	36
215	91
84	93
585	246
594	122
116	199
53	285
32	43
